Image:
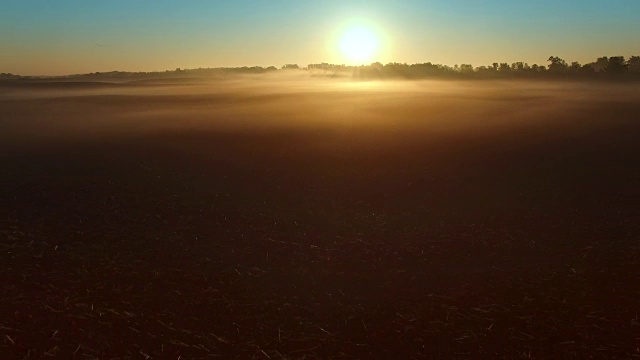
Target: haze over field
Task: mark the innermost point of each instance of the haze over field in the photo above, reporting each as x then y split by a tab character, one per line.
297	102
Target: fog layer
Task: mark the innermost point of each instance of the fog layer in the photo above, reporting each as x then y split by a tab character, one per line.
44	112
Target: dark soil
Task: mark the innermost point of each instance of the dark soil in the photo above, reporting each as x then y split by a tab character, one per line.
521	242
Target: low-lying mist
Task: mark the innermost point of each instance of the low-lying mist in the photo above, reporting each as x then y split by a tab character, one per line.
49	111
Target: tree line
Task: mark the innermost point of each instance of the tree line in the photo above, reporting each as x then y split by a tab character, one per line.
141	75
603	67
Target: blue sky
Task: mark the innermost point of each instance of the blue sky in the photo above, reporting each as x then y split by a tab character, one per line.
61	37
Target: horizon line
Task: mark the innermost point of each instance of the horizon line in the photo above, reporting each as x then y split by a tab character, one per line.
289	66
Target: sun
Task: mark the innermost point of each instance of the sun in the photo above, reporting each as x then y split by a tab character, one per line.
359	44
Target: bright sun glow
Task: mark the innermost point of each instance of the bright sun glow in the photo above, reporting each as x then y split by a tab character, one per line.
359	45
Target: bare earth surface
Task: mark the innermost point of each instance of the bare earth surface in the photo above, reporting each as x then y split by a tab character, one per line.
318	218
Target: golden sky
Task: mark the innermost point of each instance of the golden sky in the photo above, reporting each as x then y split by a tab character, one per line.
71	36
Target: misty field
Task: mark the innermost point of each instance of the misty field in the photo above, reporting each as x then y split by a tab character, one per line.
319	218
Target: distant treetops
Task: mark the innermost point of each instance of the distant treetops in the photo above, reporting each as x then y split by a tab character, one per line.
604	67
615	66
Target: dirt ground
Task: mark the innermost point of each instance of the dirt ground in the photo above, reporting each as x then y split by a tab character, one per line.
312	218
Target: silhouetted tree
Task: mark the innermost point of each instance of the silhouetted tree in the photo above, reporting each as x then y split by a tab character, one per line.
557	65
575	67
466	69
601	64
616	65
520	66
8	76
291	67
535	68
633	64
587	69
504	68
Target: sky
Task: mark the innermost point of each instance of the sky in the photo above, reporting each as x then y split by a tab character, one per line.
44	37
